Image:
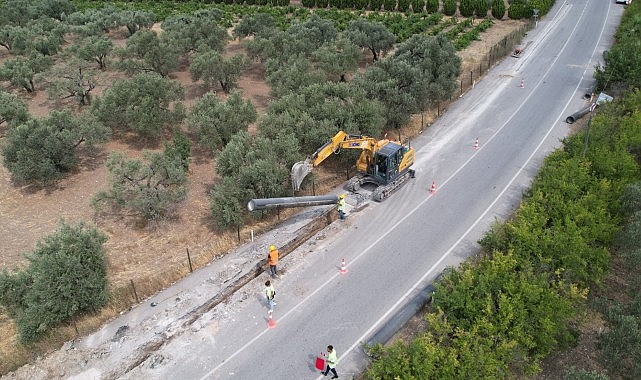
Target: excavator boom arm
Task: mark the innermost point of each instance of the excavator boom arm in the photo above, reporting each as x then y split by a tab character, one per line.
341	141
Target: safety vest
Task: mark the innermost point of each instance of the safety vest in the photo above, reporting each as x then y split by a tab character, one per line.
270	292
331	359
341	204
273	257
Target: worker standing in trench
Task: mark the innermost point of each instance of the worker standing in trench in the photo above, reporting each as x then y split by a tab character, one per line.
341	206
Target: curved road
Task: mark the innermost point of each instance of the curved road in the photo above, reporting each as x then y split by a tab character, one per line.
396	248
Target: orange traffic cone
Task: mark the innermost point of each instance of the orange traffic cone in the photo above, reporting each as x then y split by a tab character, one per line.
343	267
271	323
433	189
476	144
522	83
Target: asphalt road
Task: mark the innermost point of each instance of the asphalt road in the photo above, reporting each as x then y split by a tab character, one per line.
395	248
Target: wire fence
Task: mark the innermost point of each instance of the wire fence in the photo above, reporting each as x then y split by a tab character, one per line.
472	73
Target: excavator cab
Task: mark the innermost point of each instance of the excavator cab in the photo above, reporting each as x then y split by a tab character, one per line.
386	163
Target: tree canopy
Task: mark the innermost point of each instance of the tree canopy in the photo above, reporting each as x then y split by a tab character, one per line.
66	276
42	150
212	67
73	80
215	121
94	49
24	72
13	110
197	31
150	189
370	35
147	104
146	51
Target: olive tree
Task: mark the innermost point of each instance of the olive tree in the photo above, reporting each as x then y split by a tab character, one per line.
17	12
291	75
95	21
251	167
215	121
13	110
42	150
212	67
136	20
311	34
370	35
226	201
14	38
66	277
46	36
150	189
316	112
302	39
437	63
197	31
73	80
398	85
146	51
23	72
93	49
260	24
337	60
147	104
55	9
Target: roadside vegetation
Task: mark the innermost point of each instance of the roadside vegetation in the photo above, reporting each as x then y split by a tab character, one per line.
571	249
311	56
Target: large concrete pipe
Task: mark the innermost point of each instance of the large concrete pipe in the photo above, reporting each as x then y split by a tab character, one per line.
590	92
264	203
578	114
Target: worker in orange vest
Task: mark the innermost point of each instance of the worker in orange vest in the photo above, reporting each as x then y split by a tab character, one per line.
272	258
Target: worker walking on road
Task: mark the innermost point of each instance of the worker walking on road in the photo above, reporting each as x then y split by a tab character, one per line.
270	293
272	258
332	358
341	206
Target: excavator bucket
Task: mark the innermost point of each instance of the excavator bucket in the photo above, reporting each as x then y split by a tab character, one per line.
299	171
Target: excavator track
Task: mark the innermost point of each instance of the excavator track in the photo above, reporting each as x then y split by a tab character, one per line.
384	191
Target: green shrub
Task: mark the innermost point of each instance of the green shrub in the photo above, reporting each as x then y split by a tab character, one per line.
431	6
518	10
498	9
480	8
466	7
449	7
418	6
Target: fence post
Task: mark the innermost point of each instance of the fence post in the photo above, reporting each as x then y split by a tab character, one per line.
191	269
134	289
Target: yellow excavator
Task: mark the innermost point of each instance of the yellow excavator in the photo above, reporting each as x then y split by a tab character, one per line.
384	163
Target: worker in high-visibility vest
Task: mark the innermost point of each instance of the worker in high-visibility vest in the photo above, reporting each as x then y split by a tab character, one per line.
341	206
270	293
272	258
332	358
